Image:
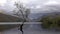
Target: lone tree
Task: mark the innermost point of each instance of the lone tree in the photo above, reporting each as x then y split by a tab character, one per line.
24	12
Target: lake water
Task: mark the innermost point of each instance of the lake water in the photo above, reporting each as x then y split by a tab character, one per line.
30	29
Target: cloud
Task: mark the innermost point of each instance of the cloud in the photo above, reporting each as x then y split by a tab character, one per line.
51	3
27	1
2	2
32	7
36	5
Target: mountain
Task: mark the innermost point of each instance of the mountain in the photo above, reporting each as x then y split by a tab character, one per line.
36	16
8	18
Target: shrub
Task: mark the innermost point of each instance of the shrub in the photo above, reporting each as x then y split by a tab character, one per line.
51	22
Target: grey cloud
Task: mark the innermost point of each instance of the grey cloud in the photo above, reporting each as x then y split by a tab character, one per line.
9	6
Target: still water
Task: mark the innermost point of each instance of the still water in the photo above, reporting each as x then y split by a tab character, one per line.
29	29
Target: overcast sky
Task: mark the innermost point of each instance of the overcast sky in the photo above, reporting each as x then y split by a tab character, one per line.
33	4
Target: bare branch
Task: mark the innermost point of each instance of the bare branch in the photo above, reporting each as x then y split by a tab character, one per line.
24	12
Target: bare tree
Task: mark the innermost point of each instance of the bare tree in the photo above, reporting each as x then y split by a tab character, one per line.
24	12
27	12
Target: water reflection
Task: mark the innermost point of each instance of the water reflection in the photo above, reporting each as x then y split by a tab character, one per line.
29	29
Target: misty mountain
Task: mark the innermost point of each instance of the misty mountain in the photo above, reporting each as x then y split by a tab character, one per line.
36	16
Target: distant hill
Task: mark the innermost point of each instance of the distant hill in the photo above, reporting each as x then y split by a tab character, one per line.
37	16
8	18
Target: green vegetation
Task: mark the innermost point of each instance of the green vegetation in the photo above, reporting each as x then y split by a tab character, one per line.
51	22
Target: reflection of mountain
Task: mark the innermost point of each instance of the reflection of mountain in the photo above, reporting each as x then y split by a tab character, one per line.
7	27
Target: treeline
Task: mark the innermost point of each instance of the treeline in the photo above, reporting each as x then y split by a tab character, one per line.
50	22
